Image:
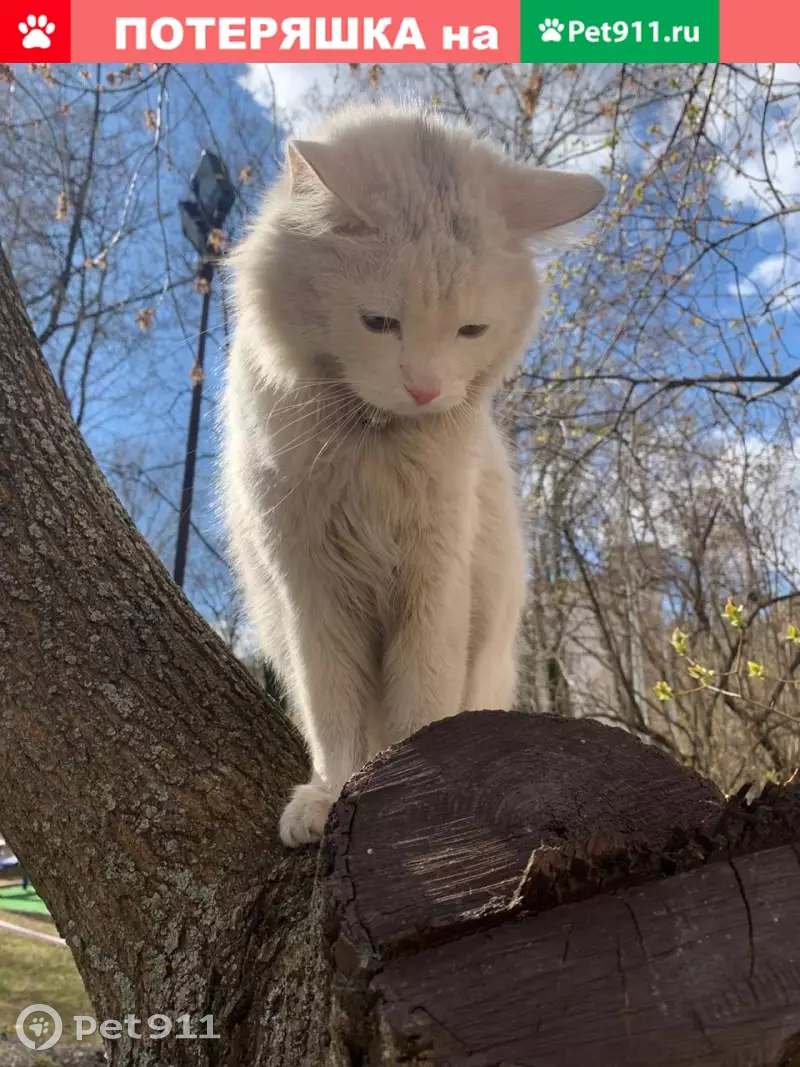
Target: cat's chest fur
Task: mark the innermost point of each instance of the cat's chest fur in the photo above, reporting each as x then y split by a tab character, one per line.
367	512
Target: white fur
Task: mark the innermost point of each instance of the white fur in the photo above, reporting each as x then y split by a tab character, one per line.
378	542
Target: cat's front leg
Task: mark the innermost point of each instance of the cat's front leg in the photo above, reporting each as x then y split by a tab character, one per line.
498	588
498	594
333	685
425	664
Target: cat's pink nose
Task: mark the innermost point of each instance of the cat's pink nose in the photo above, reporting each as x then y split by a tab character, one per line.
422	395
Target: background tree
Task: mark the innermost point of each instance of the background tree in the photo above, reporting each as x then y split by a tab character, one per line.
654	415
94	161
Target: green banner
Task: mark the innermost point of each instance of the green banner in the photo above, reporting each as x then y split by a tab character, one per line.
620	31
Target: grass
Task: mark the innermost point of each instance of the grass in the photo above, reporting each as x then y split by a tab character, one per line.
16	899
36	972
43	923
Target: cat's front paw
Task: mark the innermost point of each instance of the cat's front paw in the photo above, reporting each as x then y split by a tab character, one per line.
304	817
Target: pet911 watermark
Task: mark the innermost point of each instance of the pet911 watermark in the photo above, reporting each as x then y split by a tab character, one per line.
39	1027
619	31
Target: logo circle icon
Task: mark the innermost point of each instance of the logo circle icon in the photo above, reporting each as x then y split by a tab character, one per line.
45	1025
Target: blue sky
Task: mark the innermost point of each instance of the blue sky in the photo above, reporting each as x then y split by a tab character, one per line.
139	385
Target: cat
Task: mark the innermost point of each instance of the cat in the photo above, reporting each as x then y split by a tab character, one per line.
380	298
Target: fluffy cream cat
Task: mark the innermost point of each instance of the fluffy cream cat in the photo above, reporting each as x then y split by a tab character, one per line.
380	297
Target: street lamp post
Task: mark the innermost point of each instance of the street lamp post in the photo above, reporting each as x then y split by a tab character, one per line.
213	196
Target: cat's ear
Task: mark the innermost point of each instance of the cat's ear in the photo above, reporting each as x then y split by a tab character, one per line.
311	165
535	200
314	165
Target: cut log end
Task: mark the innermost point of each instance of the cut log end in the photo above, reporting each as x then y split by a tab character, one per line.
515	889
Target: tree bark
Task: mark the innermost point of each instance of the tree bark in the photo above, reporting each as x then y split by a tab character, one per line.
142	770
500	889
509	890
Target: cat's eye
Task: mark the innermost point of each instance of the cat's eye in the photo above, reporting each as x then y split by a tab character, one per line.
380	323
472	330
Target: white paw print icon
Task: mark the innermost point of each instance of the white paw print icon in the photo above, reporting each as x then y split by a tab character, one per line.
551	30
39	1025
35	32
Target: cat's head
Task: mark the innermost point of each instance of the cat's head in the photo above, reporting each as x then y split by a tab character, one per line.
394	255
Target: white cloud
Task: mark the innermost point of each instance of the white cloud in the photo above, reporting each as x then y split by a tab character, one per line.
302	91
575	133
751	184
776	279
785	73
770	270
744	288
284	86
761	150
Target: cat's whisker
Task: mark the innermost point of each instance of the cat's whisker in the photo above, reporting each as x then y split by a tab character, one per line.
291	396
307	383
271	510
457	420
299	481
347	383
312	408
365	430
358	417
342	433
306	436
313	389
191	338
331	393
308	408
451	420
318	381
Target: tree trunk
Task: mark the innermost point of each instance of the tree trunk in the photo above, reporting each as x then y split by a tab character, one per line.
499	889
142	770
